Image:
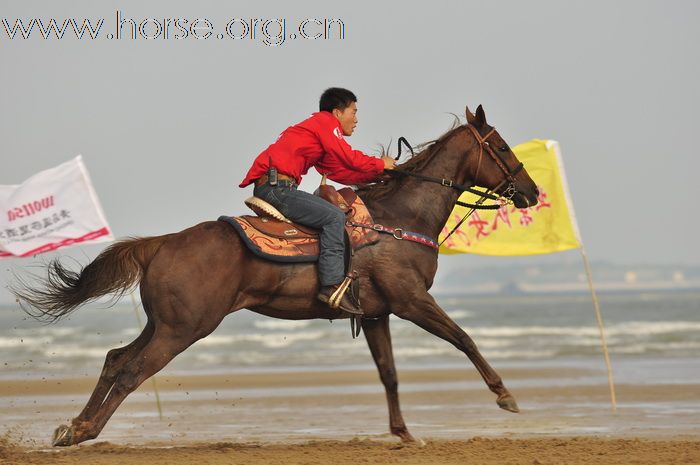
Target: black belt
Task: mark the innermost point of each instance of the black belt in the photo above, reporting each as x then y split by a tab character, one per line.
282	180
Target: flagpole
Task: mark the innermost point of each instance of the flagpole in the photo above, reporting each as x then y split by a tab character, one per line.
596	306
601	329
153	378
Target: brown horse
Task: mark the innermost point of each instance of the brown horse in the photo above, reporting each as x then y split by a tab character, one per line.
191	280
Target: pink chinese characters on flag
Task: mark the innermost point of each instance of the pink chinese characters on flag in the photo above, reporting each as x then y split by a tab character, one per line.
55	208
548	227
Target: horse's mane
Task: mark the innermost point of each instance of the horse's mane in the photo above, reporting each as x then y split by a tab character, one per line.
426	152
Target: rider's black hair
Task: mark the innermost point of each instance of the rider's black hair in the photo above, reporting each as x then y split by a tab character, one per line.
336	98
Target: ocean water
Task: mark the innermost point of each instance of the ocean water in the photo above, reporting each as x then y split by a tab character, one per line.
509	330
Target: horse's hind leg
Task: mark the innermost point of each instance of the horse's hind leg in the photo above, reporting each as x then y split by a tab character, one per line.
114	361
426	313
161	349
379	341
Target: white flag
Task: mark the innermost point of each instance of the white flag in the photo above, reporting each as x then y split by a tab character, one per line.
55	208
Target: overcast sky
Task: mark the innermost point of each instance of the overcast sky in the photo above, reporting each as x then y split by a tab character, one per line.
168	128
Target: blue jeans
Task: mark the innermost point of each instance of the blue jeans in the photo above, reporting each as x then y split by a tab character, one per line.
314	212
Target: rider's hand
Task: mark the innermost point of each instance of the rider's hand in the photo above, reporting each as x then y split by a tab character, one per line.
389	163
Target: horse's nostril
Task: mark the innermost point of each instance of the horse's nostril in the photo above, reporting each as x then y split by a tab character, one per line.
537	191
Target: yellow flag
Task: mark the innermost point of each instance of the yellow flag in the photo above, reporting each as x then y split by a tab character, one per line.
548	227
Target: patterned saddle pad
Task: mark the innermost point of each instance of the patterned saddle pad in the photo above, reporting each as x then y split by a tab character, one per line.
282	241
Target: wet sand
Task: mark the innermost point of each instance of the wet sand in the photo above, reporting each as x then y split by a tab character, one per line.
341	417
573	451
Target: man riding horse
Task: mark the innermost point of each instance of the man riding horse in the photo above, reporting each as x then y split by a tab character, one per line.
191	280
318	141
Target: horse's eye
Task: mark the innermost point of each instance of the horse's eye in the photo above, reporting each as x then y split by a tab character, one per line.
504	148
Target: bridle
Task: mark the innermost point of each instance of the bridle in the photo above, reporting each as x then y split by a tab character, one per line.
500	162
484	146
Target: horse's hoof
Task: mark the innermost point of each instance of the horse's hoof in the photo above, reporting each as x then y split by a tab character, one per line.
408	439
413	442
507	402
63	436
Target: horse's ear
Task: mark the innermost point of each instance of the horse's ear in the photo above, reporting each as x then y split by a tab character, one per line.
480	116
471	119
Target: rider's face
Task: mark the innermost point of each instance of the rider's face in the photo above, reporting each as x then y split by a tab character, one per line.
347	118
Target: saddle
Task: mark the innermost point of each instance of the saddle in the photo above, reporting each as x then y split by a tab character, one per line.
271	236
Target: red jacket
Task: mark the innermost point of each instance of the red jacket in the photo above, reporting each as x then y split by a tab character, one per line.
317	141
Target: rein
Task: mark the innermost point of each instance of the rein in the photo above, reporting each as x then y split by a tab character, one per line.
483	146
447	183
443	182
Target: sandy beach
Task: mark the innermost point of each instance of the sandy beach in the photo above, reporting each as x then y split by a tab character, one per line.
263	391
341	417
575	450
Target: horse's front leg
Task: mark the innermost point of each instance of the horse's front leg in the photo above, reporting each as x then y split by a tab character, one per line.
379	341
420	308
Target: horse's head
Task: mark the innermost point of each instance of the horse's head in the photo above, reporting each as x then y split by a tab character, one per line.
497	167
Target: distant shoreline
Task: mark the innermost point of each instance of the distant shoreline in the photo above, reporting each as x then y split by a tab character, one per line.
566	289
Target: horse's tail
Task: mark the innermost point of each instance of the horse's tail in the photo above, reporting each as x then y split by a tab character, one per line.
116	270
